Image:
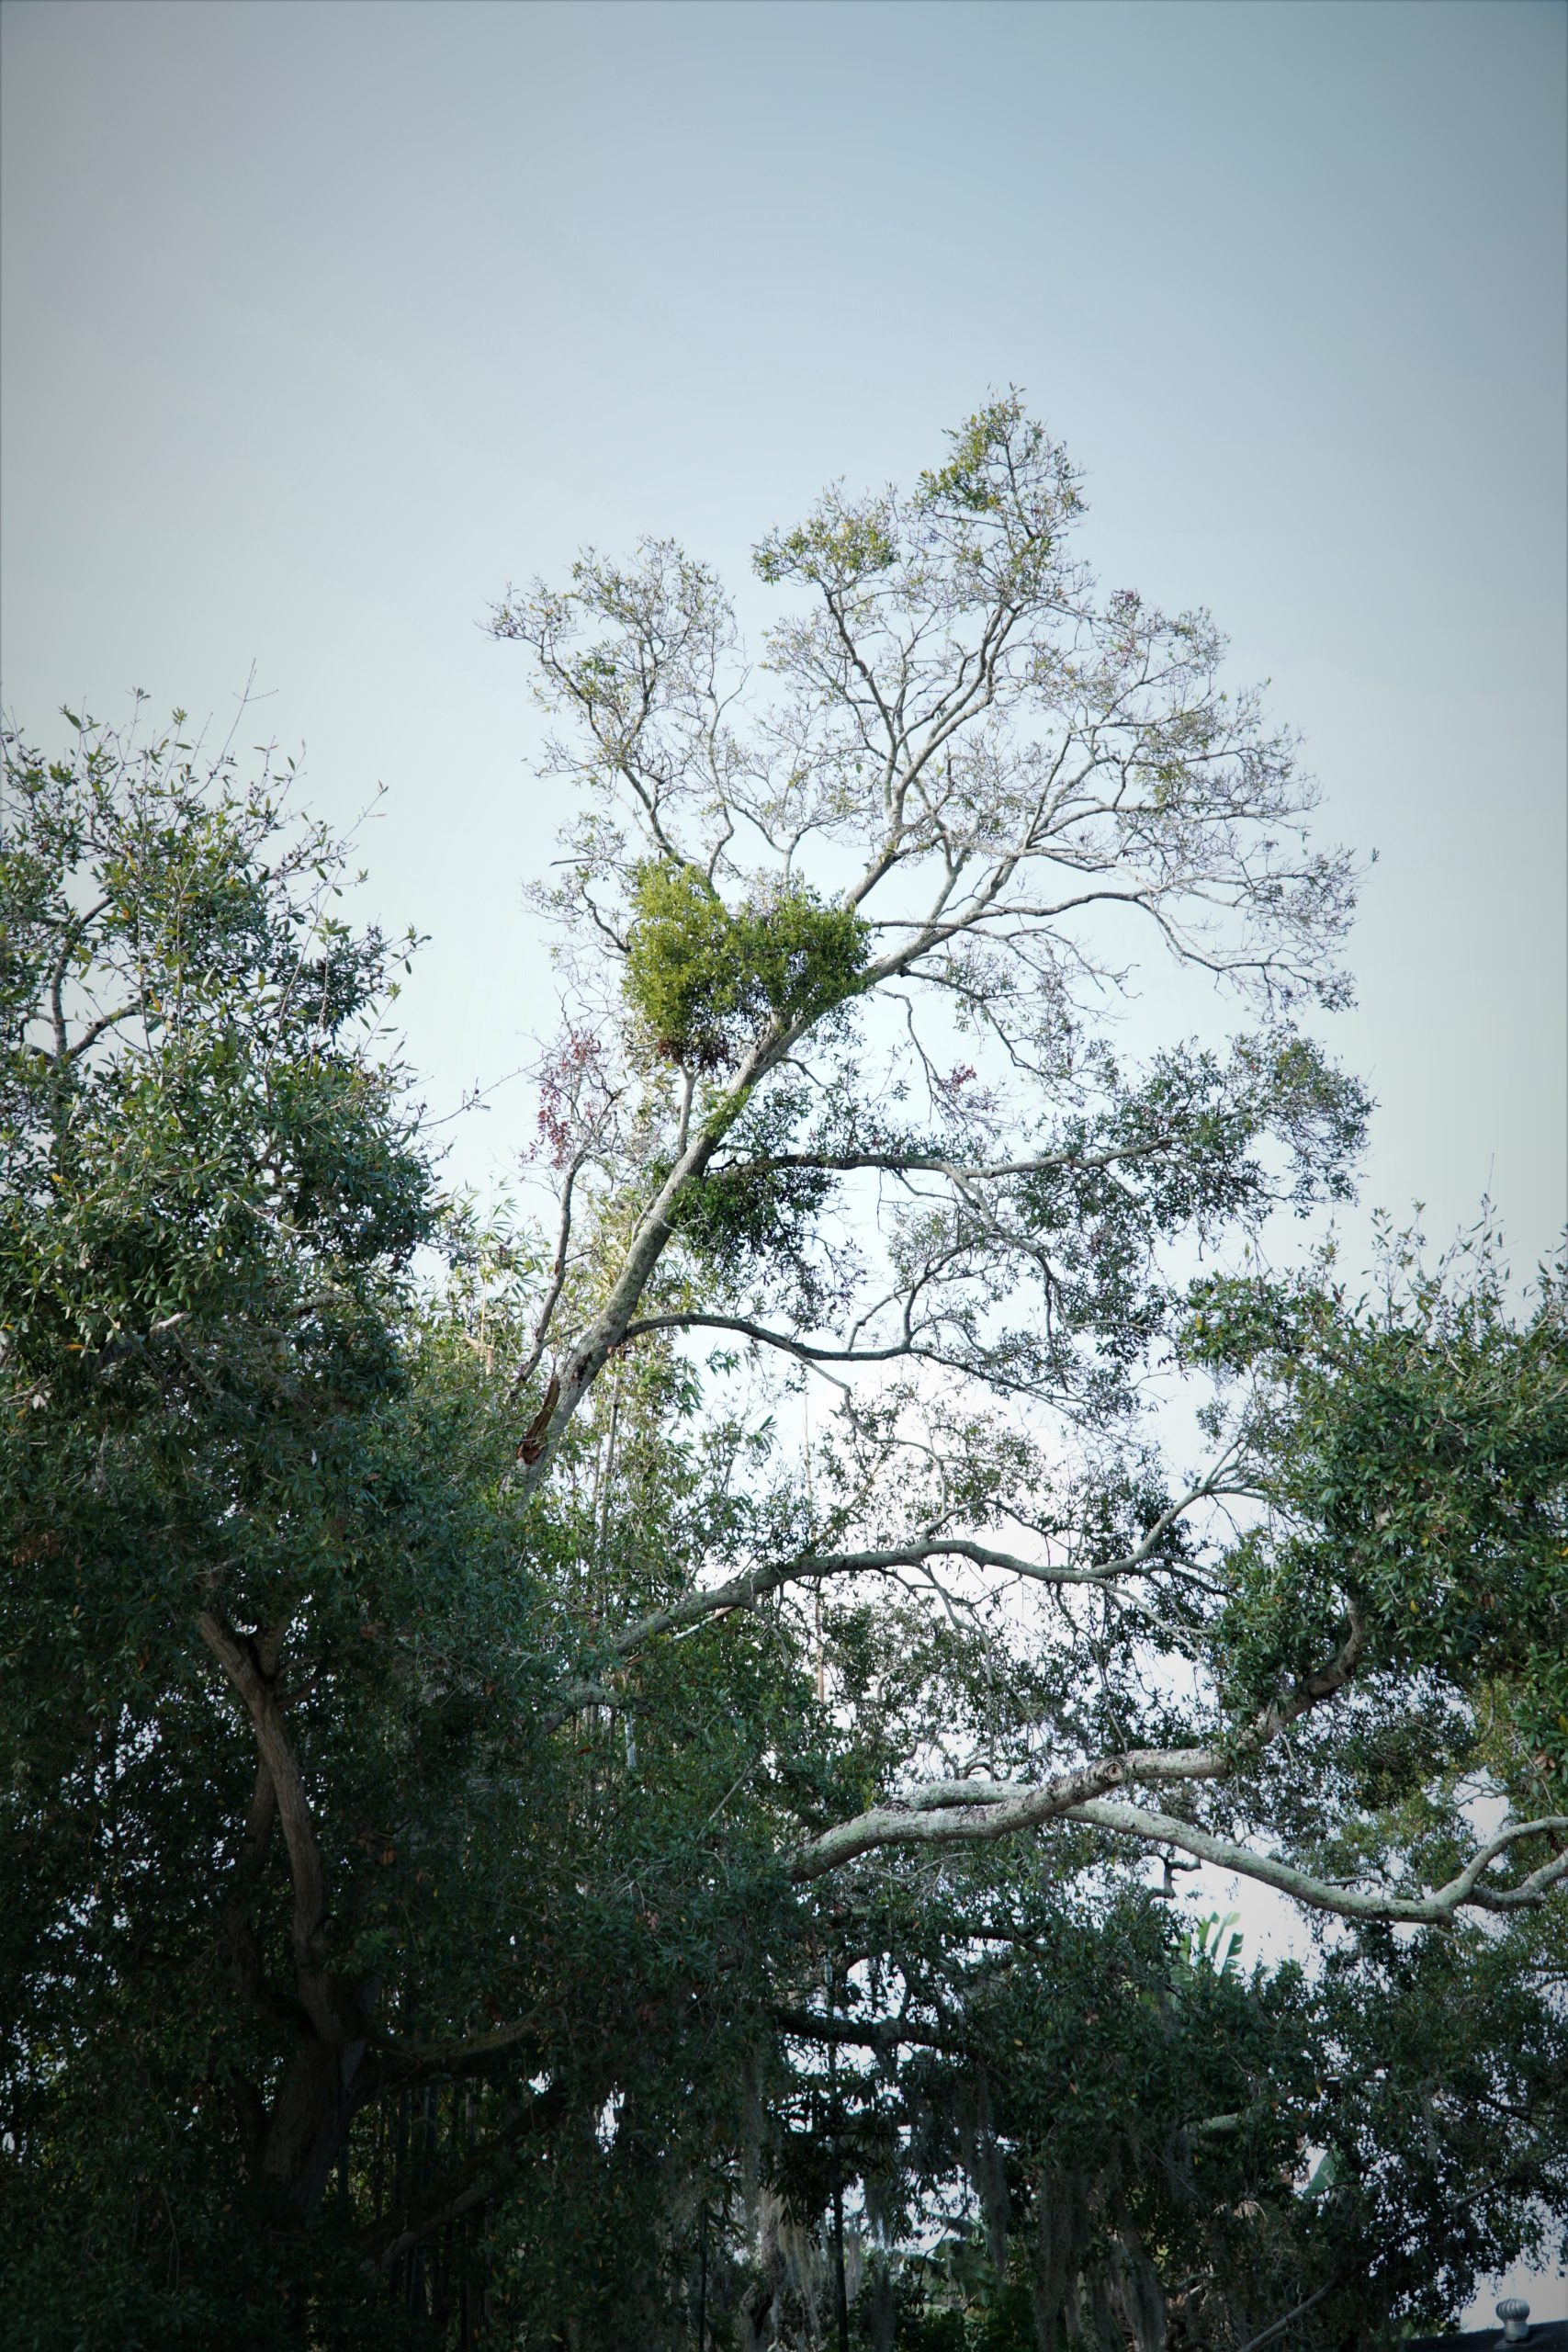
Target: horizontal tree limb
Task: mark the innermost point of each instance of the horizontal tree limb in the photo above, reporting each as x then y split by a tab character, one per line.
1349	1903
972	1813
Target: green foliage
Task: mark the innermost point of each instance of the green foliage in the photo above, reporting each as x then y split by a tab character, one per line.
703	980
213	1400
839	544
985	448
736	1217
432	1687
1420	1452
226	1394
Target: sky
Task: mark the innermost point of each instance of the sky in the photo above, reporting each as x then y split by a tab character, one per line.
323	321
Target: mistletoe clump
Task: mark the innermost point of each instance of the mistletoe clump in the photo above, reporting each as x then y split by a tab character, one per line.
703	979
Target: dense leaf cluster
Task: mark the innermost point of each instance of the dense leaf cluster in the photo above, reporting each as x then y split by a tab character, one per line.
702	977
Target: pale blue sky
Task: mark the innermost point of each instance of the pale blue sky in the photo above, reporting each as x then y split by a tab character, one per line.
323	321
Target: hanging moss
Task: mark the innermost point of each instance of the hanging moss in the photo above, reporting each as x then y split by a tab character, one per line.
702	980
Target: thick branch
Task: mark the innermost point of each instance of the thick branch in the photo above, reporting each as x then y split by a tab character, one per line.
1349	1903
781	1340
613	1324
239	1931
742	1591
919	1163
970	1812
886	2034
239	1662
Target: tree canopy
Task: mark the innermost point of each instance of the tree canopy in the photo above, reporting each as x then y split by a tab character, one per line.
508	1845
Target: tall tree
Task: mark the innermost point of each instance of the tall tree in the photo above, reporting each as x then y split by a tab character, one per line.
974	782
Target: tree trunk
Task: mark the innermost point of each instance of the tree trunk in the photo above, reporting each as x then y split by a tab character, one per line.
308	2128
